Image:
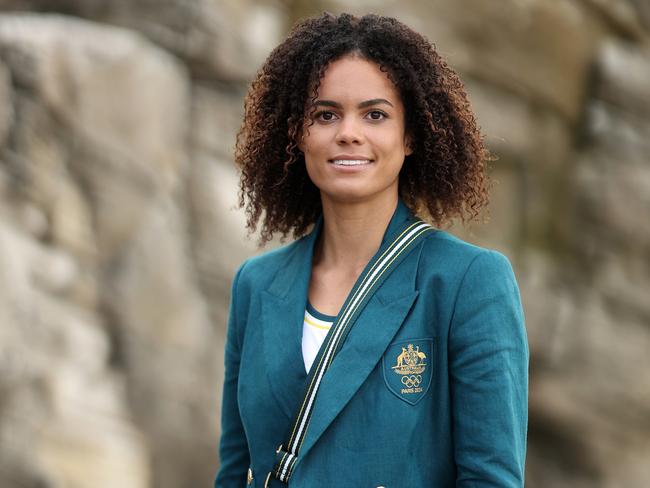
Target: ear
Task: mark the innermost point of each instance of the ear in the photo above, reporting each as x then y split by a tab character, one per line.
408	145
300	141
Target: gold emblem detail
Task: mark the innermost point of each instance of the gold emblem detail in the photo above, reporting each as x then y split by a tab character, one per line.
249	477
410	364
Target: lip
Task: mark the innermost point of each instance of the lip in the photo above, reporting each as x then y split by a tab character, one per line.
350	156
362	166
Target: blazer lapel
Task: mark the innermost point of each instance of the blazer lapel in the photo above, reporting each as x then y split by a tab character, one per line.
282	314
367	340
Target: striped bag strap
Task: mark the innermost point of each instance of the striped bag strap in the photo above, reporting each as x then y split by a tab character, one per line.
375	273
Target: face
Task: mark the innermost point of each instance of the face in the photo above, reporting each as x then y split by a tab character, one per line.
356	143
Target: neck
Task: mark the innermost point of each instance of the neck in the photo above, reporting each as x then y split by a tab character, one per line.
352	232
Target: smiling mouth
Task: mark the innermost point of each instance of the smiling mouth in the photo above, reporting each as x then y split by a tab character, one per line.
350	162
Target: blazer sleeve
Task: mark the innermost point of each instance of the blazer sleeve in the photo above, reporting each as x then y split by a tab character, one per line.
233	447
488	360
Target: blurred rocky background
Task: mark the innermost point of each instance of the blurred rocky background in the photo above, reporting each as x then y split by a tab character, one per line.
119	237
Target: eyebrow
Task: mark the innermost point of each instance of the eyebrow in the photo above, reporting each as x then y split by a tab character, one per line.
364	104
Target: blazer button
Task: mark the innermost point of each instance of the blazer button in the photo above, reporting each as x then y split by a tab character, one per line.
249	477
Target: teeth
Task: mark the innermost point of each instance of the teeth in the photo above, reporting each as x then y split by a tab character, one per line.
350	162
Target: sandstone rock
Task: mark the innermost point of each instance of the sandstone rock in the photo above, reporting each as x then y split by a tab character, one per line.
624	15
104	151
166	343
101	119
59	401
219	39
588	320
624	72
218	220
117	98
613	173
216	117
643	12
6	115
94	79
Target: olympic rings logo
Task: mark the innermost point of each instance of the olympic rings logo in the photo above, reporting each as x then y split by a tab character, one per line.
412	380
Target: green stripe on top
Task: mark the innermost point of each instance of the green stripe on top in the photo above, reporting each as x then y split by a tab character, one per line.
319	315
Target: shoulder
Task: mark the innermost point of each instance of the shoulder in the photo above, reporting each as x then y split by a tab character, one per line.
459	260
459	254
257	271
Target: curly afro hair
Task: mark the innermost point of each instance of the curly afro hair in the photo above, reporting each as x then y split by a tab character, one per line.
443	179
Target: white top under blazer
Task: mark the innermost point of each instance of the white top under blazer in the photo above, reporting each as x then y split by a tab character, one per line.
315	327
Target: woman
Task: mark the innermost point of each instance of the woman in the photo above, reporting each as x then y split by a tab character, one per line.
375	350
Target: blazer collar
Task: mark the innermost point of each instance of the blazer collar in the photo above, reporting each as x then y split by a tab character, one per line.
296	272
283	306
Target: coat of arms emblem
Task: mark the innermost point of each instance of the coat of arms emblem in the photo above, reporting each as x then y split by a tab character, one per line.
410	363
408	373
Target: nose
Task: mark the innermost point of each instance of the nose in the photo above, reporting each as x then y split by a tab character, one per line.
349	131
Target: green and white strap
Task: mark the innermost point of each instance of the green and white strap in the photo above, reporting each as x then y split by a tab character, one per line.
378	269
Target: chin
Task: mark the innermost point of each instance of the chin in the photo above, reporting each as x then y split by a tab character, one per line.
350	195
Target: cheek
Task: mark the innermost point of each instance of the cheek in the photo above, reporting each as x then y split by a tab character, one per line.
313	170
392	146
315	154
313	135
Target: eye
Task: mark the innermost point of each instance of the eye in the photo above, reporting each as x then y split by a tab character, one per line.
324	115
377	115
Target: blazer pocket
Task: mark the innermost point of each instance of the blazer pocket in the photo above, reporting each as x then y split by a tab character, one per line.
408	368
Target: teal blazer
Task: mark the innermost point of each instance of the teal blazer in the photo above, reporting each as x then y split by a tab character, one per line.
430	388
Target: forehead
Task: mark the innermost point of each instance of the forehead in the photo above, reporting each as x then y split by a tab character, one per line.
354	78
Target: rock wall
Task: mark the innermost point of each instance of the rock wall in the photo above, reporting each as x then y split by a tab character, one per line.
590	314
118	237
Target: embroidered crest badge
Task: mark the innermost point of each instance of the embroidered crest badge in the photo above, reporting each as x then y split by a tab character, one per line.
408	368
